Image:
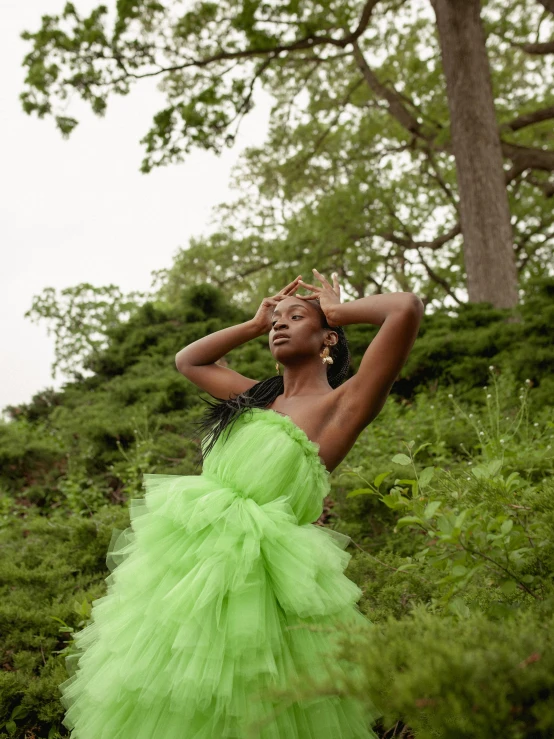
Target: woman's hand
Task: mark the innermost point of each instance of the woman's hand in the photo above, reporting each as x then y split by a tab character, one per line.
329	296
262	319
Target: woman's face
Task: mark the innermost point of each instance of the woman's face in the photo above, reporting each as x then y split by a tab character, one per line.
300	322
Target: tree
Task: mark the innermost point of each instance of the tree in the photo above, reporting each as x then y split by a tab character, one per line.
373	87
485	213
82	317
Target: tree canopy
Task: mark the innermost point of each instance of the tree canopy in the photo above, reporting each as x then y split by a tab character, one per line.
359	172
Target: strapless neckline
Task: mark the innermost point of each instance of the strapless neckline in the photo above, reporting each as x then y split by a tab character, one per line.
313	445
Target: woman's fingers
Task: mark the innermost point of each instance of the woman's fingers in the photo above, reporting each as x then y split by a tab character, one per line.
308	286
308	297
292	285
288	290
321	278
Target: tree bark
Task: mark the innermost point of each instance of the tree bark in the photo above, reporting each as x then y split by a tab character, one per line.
484	210
548	4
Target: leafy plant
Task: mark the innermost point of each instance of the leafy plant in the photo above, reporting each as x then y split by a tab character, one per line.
481	523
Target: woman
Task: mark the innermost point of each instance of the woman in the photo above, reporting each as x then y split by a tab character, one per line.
222	591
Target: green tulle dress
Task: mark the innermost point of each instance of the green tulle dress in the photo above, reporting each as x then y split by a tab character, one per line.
215	594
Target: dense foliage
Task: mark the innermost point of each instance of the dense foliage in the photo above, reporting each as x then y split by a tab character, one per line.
448	495
358	172
448	500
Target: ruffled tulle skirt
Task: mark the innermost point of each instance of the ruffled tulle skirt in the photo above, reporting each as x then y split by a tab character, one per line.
214	604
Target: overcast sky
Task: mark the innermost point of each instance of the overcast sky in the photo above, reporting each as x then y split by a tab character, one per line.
79	210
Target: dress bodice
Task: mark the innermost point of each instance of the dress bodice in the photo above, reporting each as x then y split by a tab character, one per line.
265	455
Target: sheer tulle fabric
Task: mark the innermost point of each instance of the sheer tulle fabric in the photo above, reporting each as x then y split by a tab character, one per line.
221	589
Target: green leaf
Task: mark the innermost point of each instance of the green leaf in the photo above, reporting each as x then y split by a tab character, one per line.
508	586
19	712
411	483
459	608
480	472
460	519
431	509
405	481
507	526
494	467
401	459
379	479
486	471
360	491
394	499
459	570
406	520
426	476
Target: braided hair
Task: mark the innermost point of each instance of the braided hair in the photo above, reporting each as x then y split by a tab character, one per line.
222	414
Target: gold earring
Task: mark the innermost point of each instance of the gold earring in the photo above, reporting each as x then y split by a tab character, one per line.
277	367
326	359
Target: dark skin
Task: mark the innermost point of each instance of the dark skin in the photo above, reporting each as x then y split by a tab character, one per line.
332	418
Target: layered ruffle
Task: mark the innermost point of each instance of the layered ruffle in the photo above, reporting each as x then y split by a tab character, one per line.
268	455
309	447
213	601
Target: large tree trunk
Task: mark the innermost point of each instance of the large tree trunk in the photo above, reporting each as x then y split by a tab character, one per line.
485	215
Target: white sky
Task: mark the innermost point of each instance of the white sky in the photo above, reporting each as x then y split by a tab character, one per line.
79	210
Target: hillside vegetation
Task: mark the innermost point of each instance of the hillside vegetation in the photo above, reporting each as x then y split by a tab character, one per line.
448	497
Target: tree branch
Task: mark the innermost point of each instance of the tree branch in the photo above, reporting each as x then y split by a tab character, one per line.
245	106
437	278
548	4
309	42
528	119
438	176
533	250
321	138
547	187
410	243
524	158
546	47
396	106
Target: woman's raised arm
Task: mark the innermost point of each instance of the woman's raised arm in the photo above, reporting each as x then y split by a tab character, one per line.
197	361
399	315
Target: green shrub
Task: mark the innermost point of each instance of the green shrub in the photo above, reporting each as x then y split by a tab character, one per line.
448	501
